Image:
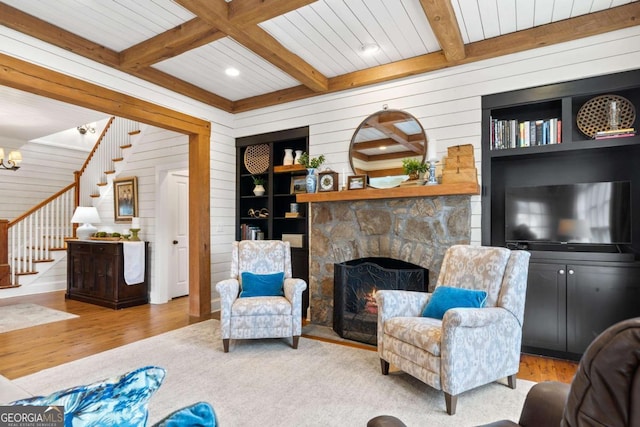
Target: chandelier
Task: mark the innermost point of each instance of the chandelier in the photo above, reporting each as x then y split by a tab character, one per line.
86	128
13	162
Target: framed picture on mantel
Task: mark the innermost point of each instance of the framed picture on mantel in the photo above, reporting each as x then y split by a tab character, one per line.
357	182
125	199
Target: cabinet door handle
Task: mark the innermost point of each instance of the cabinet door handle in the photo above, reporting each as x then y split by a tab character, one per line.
175	242
571	272
561	271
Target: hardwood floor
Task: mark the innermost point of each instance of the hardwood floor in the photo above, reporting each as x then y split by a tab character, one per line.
29	350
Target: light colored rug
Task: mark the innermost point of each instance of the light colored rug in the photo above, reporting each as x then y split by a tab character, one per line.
267	383
19	316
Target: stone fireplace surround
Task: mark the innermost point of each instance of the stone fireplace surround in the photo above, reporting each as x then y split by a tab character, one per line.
413	229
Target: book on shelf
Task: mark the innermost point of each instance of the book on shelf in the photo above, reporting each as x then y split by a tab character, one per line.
292	214
250	232
527	133
615	133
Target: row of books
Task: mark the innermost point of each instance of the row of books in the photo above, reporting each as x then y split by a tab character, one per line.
527	133
615	133
250	232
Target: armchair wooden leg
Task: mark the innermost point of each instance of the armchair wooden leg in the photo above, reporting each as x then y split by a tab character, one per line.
511	380
296	338
451	402
225	345
384	365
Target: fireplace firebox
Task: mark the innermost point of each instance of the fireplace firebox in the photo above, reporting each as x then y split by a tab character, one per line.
355	312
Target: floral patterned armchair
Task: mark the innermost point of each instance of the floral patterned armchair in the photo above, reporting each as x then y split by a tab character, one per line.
469	347
260	316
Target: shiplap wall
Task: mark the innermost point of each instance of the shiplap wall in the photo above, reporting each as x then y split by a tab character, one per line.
44	171
447	102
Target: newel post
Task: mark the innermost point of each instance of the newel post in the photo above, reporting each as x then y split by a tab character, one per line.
5	271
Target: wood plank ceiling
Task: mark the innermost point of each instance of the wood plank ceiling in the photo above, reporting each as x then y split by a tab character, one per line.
287	50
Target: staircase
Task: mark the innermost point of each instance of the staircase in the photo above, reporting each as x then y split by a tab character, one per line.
36	240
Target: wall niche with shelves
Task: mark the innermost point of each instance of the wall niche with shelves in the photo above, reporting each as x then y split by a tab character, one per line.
562	296
265	216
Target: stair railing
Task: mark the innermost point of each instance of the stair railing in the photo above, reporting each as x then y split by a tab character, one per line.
102	160
43	228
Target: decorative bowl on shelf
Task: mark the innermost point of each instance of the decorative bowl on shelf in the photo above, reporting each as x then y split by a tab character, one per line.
387	181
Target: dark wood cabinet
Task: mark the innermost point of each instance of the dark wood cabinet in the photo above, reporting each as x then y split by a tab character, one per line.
569	303
571	296
95	274
272	222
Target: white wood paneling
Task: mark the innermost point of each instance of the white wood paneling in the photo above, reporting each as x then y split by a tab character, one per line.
446	102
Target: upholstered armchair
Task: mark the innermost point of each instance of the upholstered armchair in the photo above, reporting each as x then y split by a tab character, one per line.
278	315
468	347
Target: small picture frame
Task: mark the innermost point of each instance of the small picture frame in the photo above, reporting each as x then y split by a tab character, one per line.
125	199
298	184
357	182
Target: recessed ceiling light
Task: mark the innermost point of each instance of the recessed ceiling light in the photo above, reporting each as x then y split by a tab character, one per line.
369	48
233	72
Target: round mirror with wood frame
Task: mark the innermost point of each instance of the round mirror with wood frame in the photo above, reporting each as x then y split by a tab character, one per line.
382	141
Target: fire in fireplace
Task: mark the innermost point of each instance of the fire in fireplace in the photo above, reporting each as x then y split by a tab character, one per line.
355	312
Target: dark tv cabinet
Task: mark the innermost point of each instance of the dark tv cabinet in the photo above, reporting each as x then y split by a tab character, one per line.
277	197
572	295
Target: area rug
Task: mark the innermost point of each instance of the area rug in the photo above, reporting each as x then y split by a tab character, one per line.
19	316
267	383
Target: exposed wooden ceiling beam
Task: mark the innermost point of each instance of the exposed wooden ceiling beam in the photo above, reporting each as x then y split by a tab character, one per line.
557	32
215	12
190	35
253	12
35	27
444	24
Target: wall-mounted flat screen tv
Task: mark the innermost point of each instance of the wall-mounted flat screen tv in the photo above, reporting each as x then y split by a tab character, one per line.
589	213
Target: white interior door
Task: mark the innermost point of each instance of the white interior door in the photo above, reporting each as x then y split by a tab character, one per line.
179	224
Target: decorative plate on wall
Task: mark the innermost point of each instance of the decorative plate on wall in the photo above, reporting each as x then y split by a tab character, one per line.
256	158
593	116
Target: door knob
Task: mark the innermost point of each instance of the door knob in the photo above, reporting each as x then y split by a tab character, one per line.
175	242
561	271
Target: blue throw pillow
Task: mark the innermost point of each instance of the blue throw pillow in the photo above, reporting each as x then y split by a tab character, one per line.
445	297
262	285
199	414
117	401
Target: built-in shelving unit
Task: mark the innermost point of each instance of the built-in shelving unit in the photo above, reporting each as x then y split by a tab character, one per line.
571	296
273	205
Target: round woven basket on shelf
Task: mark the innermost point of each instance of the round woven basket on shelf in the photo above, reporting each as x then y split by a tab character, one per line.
593	116
256	158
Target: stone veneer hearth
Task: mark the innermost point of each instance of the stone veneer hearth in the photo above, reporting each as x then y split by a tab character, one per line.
414	229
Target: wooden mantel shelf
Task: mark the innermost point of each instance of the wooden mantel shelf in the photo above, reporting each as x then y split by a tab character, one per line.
462	188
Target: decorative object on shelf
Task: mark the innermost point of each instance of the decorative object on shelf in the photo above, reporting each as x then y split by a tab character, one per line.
125	199
596	114
459	165
298	184
388	181
328	181
288	157
258	181
311	162
432	159
293	207
134	229
85	215
413	167
259	213
256	158
13	161
296	159
312	180
357	182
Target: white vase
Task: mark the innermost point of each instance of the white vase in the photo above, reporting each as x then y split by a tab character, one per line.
288	156
296	160
258	190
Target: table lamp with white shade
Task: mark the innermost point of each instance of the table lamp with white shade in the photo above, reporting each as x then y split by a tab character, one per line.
85	215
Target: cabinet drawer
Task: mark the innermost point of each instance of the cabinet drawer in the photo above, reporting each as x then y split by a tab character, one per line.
106	249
